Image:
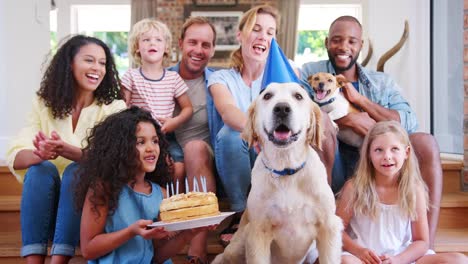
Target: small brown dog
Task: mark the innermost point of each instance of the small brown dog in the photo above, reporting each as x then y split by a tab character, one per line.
328	96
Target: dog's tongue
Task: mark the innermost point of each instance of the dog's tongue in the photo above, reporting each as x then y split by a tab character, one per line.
320	95
282	135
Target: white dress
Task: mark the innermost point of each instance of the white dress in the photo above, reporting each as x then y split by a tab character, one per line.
389	233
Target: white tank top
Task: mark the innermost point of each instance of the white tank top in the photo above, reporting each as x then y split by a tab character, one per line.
389	233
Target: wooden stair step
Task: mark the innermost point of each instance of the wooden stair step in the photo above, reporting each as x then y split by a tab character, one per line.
452	240
456	199
453	217
452	174
8	183
10	203
452	181
448	164
10	222
10	243
452	209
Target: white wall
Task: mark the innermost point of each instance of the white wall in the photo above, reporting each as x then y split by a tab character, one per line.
24	31
410	67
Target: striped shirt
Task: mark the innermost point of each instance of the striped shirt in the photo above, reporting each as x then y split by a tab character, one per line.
157	96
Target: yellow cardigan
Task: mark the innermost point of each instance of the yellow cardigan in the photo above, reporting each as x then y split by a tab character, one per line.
41	119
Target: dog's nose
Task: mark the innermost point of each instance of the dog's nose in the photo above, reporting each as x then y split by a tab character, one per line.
282	109
321	85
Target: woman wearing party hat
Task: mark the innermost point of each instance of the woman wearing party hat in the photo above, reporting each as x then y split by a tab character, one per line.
233	90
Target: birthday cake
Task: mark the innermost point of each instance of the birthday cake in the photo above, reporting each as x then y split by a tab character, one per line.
188	206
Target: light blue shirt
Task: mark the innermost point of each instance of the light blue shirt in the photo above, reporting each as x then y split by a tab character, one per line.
378	87
132	206
242	94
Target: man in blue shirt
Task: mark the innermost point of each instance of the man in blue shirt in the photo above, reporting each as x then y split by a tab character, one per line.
378	96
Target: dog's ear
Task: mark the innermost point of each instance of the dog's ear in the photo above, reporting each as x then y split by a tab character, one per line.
248	133
315	132
341	80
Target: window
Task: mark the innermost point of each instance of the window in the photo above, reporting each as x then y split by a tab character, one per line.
447	75
108	20
53	30
314	21
109	23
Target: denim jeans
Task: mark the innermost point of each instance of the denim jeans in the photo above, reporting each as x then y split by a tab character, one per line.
346	158
48	212
234	162
176	151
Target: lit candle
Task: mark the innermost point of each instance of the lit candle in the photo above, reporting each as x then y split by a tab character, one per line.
172	188
186	186
177	187
195	184
203	181
167	190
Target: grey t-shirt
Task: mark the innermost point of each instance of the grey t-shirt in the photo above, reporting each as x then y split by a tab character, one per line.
197	126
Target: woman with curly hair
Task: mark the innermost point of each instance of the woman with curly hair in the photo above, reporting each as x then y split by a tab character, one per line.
119	191
79	89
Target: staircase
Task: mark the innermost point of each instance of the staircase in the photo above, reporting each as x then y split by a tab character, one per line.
452	230
452	233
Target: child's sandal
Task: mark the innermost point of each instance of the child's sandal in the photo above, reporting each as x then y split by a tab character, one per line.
194	260
226	235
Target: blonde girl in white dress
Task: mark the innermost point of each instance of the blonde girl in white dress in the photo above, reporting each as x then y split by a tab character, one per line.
384	206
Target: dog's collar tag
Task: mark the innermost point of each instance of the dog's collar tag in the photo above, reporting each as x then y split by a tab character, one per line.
327	102
285	171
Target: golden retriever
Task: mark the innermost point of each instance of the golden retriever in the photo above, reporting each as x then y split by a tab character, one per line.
291	207
327	95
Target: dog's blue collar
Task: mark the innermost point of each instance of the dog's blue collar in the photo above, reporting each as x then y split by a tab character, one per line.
285	171
327	102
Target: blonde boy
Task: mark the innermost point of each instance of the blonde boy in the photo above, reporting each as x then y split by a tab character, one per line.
150	85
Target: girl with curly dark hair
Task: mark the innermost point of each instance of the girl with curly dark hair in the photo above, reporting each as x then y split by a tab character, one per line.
119	191
79	89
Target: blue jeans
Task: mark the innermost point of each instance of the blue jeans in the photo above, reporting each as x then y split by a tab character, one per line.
176	151
234	162
346	158
48	211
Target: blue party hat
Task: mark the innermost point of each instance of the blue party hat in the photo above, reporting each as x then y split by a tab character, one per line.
277	68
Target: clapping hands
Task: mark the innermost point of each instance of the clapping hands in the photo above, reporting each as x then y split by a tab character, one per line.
48	148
